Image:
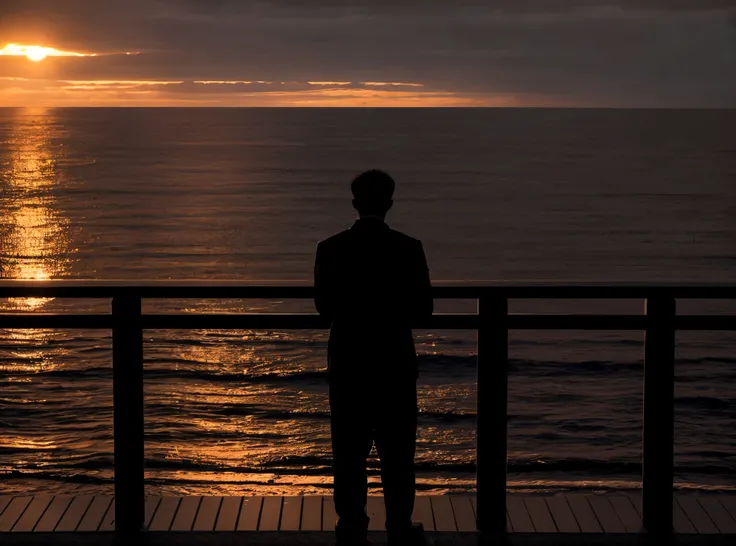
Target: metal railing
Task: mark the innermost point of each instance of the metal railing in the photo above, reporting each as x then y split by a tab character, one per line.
492	322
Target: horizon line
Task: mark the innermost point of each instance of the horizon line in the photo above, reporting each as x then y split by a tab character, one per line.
372	107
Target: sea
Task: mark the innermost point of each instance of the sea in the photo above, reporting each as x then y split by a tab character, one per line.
246	194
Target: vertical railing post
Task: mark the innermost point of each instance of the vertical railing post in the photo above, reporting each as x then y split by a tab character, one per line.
659	416
491	441
127	367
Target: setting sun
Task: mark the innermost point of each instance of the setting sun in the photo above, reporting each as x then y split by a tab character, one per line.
37	53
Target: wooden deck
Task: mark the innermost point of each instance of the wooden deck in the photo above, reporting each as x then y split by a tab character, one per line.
564	513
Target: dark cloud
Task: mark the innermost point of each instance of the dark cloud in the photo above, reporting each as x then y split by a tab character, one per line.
418	7
606	52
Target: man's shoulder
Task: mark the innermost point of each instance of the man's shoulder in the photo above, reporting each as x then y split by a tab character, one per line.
347	237
334	240
403	238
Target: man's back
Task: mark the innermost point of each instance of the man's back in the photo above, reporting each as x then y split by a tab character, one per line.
371	282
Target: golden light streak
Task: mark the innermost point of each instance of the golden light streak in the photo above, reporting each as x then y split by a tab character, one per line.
233	93
233	82
223	82
37	53
392	84
348	97
121	82
100	85
34	236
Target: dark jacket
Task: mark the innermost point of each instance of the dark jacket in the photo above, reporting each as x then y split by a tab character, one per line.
372	283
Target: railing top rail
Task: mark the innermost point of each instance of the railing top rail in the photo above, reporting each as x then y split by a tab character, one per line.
303	289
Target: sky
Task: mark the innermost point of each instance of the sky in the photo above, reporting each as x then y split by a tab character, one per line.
571	53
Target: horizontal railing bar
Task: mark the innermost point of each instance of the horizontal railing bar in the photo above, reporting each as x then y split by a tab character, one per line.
240	290
296	321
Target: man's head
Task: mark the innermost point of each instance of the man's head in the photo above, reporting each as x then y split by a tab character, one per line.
373	193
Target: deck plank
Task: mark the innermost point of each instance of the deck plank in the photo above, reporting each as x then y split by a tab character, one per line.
562	514
697	516
4	501
108	520
13	512
540	515
680	522
627	513
32	514
271	514
718	514
74	514
250	513
291	514
151	506
464	515
572	513
329	516
521	522
96	511
312	514
636	501
584	514
377	512
53	513
423	513
606	514
184	518
164	515
729	503
227	519
444	519
207	514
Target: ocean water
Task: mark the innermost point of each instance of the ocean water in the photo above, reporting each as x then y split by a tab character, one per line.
601	195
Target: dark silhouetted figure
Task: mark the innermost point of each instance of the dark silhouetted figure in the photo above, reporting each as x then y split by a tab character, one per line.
372	282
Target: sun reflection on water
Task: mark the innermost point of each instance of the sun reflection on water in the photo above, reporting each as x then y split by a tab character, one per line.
34	236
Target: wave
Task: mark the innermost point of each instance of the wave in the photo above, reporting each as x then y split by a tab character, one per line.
78	478
156	367
170	368
276	414
707	360
317	465
285	414
237	485
264	377
722	407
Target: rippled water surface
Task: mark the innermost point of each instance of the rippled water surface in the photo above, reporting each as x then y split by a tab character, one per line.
246	194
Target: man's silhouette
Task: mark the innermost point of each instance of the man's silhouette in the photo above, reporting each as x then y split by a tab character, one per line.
372	282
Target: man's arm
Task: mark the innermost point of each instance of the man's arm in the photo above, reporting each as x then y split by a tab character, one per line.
323	285
423	306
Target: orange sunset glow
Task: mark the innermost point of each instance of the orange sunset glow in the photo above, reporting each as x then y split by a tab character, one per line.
366	53
29	87
38	53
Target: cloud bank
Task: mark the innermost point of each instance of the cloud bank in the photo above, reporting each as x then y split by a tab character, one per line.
667	53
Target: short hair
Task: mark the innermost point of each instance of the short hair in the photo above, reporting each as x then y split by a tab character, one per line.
373	191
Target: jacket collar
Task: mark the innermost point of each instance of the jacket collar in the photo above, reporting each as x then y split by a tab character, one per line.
370	222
